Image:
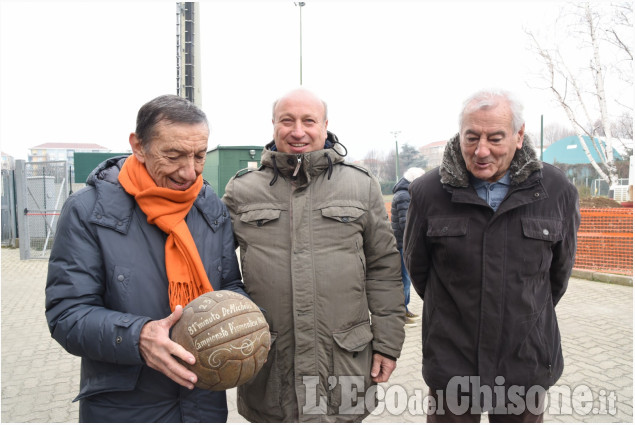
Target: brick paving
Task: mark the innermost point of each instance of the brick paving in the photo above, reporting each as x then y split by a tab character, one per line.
39	379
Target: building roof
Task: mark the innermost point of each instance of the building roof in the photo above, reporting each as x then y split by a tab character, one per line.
435	144
569	151
70	146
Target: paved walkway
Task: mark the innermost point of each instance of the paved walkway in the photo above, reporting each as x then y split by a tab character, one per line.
39	379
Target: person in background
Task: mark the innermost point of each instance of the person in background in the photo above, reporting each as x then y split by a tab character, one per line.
489	243
398	211
142	239
319	257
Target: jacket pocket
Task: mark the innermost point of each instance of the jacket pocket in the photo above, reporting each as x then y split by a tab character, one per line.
447	226
352	357
343	214
543	229
448	238
533	360
101	377
263	391
540	234
259	217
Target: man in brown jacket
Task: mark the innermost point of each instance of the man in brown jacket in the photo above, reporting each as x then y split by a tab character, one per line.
318	255
489	243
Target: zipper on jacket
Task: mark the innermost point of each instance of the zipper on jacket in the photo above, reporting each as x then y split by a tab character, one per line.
297	167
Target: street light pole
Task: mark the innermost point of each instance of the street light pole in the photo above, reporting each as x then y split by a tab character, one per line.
300	4
396	133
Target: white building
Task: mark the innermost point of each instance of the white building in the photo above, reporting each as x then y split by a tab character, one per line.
62	151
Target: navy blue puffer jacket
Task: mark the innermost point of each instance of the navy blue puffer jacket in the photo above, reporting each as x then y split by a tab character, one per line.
107	279
399	209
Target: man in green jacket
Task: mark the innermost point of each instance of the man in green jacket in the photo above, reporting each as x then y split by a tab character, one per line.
318	255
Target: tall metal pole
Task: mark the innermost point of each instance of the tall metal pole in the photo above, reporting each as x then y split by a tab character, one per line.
396	133
300	4
188	63
541	136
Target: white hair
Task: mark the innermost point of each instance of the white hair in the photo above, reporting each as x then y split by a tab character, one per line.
412	173
489	98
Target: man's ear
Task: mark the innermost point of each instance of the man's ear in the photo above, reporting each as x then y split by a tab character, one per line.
521	137
137	149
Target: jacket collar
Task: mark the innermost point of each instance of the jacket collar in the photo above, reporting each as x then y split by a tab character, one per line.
308	165
453	170
114	207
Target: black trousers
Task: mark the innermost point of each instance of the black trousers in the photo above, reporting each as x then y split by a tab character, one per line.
435	416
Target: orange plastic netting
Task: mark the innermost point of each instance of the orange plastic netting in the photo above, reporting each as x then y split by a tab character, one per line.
605	240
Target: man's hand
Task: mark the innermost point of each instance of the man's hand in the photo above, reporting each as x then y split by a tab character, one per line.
157	350
382	368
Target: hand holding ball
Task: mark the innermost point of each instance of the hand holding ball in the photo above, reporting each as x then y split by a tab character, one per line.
228	336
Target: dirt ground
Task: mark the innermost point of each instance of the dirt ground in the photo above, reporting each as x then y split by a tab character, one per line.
598	202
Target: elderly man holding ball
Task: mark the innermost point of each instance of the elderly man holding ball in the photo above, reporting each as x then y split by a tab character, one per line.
145	237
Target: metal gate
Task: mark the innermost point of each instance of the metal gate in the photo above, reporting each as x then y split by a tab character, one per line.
41	190
9	230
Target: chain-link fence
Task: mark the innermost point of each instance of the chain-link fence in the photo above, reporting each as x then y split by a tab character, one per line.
42	190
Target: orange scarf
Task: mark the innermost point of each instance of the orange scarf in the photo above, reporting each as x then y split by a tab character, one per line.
167	208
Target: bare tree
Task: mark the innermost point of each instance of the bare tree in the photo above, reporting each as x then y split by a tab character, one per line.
584	92
388	170
618	34
623	127
554	131
373	162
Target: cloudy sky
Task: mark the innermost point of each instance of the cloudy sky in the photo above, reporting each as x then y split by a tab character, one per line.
78	71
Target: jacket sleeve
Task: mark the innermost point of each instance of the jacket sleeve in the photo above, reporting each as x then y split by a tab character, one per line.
402	210
75	286
415	251
384	289
399	209
231	279
564	251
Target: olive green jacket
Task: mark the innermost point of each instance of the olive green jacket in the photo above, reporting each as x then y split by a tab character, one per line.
318	255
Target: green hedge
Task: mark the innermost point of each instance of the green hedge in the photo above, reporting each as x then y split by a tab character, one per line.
386	187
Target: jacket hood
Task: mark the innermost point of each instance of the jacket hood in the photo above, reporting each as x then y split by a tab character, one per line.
402	184
108	170
453	170
310	164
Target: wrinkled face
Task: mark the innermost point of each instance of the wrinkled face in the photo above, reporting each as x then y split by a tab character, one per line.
298	123
488	141
175	157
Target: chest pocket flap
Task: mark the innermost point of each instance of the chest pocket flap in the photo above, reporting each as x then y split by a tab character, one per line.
447	226
344	214
355	338
260	216
545	229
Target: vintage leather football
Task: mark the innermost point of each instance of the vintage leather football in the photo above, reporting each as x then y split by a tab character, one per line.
227	334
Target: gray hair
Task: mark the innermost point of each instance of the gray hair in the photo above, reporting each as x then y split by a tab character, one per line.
489	98
170	108
412	173
275	103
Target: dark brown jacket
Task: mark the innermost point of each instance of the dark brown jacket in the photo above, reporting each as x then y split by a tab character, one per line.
490	281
